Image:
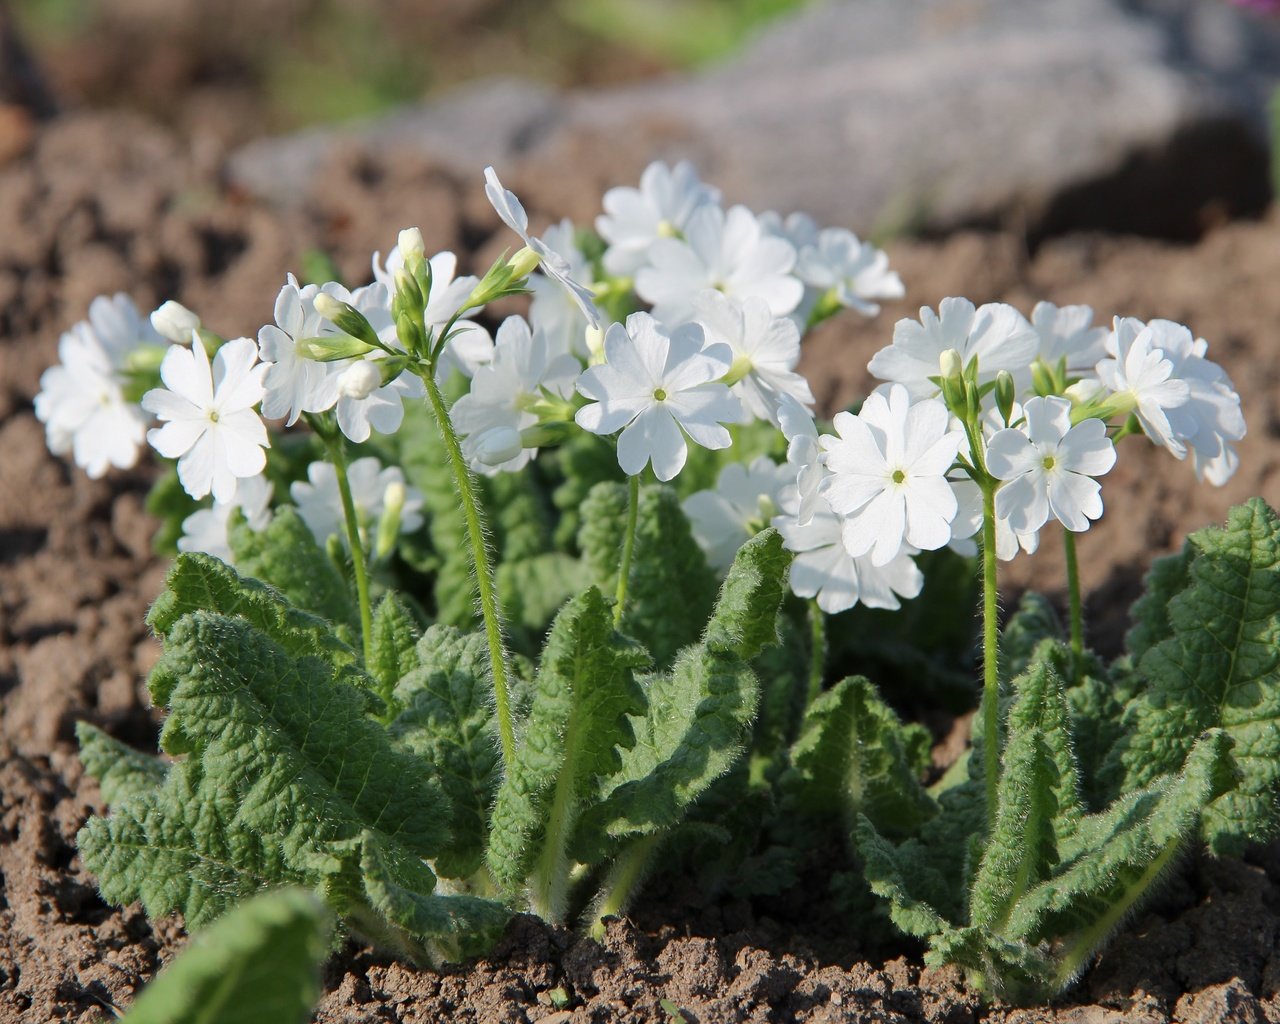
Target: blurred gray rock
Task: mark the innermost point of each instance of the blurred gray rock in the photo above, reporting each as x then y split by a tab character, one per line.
1142	115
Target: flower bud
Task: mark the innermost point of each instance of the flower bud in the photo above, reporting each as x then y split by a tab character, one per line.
175	322
595	343
524	263
389	523
346	318
359	380
950	364
497	445
410	244
1005	395
331	347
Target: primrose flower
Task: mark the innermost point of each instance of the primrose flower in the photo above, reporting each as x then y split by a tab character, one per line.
765	348
206	529
657	387
504	392
81	400
294	383
1048	467
1182	399
209	422
634	219
320	502
553	310
824	569
888	474
744	501
725	251
857	272
804	457
470	347
1067	332
996	334
968	524
173	321
798	228
553	264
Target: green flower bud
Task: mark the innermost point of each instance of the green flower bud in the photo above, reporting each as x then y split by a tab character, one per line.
331	347
1005	395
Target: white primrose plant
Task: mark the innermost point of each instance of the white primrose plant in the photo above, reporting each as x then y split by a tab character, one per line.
345	706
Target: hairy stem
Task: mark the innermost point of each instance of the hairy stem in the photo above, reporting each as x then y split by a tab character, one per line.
628	548
337	452
817	651
990	652
620	886
484	568
1077	615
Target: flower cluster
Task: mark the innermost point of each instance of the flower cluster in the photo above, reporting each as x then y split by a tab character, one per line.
684	327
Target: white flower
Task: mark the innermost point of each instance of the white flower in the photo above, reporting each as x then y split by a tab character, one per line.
295	384
552	263
660	386
804	457
320	502
1048	467
745	499
968	523
765	348
495	447
1209	421
888	472
206	529
470	346
1141	372
997	334
824	569
660	208
81	400
799	228
725	251
1067	332
554	311
359	380
210	425
503	391
382	407
857	271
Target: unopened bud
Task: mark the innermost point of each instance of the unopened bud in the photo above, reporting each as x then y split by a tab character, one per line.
595	343
1005	395
331	347
408	294
359	380
950	364
524	263
389	523
410	331
497	445
175	322
346	318
410	244
1042	379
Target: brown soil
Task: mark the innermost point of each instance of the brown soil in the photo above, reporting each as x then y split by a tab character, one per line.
108	202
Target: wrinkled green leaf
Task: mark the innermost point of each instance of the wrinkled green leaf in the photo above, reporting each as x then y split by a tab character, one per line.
258	965
121	771
393	646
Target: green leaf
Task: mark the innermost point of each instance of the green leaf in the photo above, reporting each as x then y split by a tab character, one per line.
699	712
286	556
259	965
855	757
672	589
1033	622
1038	792
121	771
533	589
200	582
1150	613
578	724
447	721
393	646
285	780
1219	667
884	863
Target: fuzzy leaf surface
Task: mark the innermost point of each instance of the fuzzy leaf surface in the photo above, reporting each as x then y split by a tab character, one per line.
258	965
699	713
121	771
394	646
584	698
447	721
1219	667
854	756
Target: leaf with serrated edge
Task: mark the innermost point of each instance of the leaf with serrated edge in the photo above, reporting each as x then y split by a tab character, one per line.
121	771
1220	667
393	646
447	720
259	965
699	712
584	692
